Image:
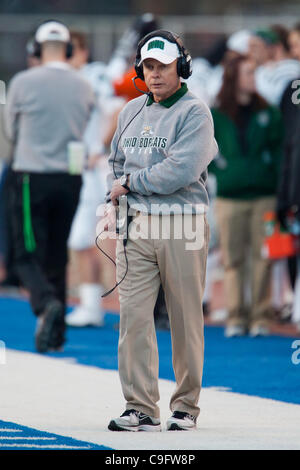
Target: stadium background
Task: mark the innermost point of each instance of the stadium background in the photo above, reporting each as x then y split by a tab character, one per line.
262	370
200	23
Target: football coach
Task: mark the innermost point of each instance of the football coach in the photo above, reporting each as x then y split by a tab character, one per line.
160	152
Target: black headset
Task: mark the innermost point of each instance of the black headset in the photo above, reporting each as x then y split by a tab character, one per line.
36	46
184	62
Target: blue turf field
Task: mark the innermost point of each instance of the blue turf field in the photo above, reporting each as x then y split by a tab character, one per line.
254	366
14	436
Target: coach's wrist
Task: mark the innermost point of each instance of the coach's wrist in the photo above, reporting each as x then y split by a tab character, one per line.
124	181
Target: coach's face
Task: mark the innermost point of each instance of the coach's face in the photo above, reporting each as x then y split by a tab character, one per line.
161	79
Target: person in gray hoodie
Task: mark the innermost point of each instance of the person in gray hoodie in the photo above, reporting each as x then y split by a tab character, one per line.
159	157
48	108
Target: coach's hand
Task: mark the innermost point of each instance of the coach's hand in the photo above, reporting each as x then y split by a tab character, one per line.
108	219
117	190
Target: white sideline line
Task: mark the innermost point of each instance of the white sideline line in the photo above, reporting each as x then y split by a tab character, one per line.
227	420
10	430
21	438
43	447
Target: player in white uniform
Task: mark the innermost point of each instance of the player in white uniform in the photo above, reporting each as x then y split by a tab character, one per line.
83	232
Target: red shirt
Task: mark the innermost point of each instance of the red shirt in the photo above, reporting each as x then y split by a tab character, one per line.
124	86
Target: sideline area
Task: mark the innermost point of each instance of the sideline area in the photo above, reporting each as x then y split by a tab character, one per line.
250	397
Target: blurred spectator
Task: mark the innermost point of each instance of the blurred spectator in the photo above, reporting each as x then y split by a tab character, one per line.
294	41
125	51
238	43
261	46
272	80
46	126
276	68
248	132
288	200
31	58
206	79
2	225
9	278
205	83
291	121
207	72
90	267
124	86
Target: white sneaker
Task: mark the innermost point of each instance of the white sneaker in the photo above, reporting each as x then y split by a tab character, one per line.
234	331
181	421
81	317
259	330
89	312
133	420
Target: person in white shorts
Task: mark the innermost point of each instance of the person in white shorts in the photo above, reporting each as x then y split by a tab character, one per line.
89	311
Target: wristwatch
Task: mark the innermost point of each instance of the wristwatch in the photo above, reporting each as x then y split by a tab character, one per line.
123	182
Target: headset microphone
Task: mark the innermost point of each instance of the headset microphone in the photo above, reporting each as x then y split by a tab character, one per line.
138	89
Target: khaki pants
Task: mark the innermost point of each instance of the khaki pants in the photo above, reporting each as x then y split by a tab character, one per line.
241	229
182	272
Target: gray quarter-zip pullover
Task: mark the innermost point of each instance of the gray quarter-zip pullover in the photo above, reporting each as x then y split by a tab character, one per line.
166	150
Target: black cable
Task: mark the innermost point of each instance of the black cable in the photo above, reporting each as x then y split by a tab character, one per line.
126	271
96	242
127	125
115	175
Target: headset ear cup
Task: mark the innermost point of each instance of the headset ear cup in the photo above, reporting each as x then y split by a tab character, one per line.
179	66
139	72
184	66
139	68
37	50
185	70
188	64
69	50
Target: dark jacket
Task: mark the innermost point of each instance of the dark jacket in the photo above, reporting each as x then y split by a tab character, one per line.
250	170
289	182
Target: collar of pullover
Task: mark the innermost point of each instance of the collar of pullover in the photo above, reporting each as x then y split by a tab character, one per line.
168	102
57	64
